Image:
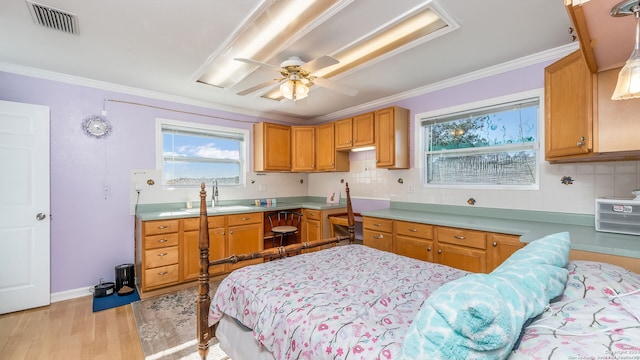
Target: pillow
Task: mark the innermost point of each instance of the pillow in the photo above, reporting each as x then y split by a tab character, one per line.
591	279
482	315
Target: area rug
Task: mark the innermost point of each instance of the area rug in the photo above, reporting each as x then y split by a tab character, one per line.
114	300
167	326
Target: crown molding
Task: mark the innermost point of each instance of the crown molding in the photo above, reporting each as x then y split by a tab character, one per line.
516	64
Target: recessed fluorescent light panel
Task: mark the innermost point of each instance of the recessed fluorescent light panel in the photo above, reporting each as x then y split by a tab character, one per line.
272	27
414	28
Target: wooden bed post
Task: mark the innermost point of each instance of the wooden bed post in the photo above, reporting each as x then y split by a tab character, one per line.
204	300
350	218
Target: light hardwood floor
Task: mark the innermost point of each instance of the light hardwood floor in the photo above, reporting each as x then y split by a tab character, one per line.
70	330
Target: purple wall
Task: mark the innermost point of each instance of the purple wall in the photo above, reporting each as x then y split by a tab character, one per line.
90	235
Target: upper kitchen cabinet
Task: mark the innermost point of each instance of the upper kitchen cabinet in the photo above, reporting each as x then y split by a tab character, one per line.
327	158
271	147
355	132
303	148
578	90
392	138
568	107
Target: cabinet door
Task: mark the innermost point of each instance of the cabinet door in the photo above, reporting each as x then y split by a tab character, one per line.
392	138
462	258
313	231
568	86
303	147
271	147
191	253
363	130
344	134
502	246
412	247
245	239
327	158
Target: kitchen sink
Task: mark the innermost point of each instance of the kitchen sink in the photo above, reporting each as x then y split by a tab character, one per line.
216	209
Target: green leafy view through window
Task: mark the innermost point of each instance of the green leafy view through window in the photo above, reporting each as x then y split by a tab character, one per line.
496	145
197	153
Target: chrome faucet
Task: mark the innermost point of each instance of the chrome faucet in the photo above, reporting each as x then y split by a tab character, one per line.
214	193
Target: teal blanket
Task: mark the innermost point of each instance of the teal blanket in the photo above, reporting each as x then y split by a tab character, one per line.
481	315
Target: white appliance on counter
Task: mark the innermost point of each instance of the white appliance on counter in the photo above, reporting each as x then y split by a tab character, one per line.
618	216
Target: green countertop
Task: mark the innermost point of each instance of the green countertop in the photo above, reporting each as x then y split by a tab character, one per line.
148	212
583	236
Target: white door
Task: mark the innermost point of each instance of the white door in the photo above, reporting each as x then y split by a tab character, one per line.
24	206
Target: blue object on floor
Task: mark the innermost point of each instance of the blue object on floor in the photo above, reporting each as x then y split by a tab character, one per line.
113	300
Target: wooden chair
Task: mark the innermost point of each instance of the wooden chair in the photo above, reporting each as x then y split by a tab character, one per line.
283	224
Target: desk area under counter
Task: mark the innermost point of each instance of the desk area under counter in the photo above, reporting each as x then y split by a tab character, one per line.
479	239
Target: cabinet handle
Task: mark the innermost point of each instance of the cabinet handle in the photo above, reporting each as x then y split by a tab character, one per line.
163	254
413	230
163	227
439	251
459	237
245	218
582	140
495	244
162	240
378	236
377	224
230	232
429	249
163	273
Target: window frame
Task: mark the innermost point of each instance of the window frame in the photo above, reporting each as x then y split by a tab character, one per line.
420	141
196	127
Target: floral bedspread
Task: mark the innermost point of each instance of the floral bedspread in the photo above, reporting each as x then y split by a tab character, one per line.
345	302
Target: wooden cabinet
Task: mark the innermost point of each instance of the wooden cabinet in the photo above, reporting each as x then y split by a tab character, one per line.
392	138
568	107
470	250
327	157
501	246
413	240
355	132
461	248
245	236
157	254
271	147
191	250
303	148
377	233
312	225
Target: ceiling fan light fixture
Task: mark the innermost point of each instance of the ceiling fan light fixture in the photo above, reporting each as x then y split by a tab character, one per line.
628	85
294	90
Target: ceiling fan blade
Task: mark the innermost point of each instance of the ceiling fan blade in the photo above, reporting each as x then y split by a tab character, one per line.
331	85
320	63
258	63
272	82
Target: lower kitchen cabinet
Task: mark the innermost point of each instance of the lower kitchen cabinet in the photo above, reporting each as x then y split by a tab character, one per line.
470	250
316	225
167	251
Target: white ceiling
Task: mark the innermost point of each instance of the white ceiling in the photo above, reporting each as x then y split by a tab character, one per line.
160	45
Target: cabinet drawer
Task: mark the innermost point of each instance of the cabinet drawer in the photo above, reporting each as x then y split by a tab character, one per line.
313	214
161	227
160	257
377	224
241	219
378	240
157	241
463	237
422	231
161	276
192	224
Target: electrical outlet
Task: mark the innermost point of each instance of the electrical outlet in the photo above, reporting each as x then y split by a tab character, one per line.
138	187
262	187
410	188
106	191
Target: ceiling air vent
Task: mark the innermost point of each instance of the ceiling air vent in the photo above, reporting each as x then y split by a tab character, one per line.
53	18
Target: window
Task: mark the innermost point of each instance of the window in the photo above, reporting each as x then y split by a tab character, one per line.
490	146
192	153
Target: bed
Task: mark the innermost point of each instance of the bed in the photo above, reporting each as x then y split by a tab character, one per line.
354	302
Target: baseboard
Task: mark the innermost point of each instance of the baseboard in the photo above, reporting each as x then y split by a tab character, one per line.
71	294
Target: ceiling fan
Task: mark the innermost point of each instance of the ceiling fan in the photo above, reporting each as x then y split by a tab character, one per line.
297	76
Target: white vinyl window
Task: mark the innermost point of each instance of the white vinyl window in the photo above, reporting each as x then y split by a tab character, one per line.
492	146
190	153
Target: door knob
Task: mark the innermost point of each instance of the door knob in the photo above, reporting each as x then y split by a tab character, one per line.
41	216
